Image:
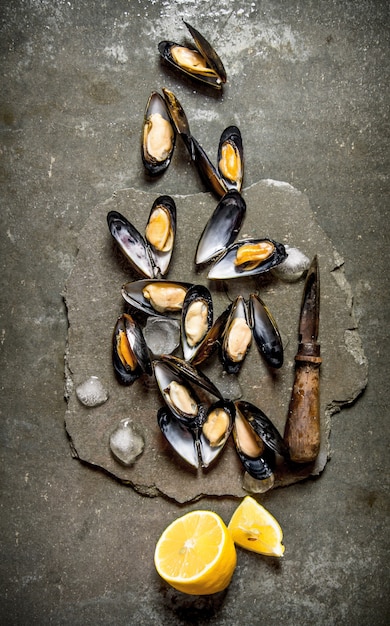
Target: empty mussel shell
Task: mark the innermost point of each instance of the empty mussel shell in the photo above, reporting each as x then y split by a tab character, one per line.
236	338
132	244
179	436
156	297
222	228
231	158
130	354
179	119
209	174
201	63
248	257
256	440
212	338
161	230
265	331
196	319
158	136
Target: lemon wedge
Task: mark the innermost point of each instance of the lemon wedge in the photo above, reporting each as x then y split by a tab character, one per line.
254	528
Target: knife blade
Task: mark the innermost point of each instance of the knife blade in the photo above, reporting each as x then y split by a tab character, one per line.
302	434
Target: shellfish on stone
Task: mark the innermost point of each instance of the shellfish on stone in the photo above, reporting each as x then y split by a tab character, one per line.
158	136
156	297
130	354
248	257
201	63
265	331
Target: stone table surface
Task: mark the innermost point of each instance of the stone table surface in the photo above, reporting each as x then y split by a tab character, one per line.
274	209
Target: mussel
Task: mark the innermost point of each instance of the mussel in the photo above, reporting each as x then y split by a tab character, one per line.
156	297
158	136
179	119
130	354
236	338
149	256
248	257
196	319
222	228
201	63
199	445
182	388
231	158
265	331
257	440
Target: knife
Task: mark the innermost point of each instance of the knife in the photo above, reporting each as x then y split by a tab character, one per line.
302	431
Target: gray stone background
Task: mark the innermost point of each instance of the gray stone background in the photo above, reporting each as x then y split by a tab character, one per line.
308	87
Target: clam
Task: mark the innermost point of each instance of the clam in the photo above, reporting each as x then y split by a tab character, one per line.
256	440
158	136
265	331
156	297
248	257
231	158
161	230
201	63
237	337
222	227
196	319
130	354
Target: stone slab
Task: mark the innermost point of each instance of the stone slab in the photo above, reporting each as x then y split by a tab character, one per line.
93	299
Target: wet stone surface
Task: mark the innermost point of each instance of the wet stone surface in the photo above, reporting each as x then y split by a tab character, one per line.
274	210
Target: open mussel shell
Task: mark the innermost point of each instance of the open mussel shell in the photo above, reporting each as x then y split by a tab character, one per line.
196	319
212	339
265	331
207	172
179	395
248	257
130	354
190	373
215	430
179	118
181	438
231	158
132	244
256	440
156	297
160	231
222	228
158	136
202	63
236	338
262	426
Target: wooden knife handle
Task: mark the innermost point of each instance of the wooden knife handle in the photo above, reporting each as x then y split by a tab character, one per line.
302	432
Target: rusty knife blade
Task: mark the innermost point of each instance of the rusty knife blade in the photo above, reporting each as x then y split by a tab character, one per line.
310	308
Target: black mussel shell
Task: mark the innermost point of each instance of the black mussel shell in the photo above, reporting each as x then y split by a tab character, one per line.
265	332
158	136
130	354
191	374
222	228
132	244
207	172
257	459
212	339
179	119
182	439
236	338
231	158
161	231
169	294
196	319
201	63
226	267
262	426
208	52
179	395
